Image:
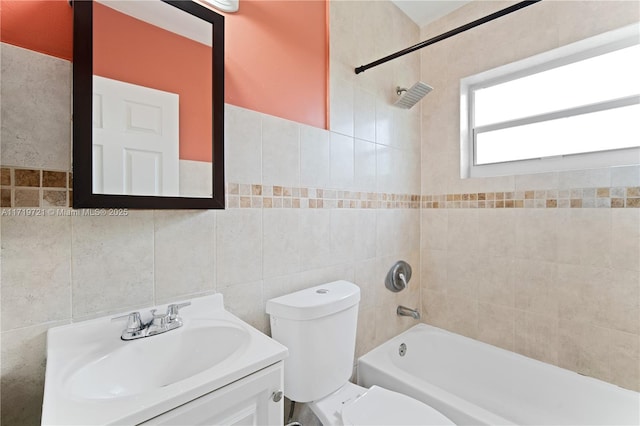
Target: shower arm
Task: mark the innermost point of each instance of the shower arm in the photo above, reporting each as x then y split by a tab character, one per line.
448	34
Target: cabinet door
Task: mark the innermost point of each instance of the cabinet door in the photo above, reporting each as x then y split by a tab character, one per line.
248	401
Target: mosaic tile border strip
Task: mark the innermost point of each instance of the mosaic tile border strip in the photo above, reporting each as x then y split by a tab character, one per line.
268	196
23	187
275	196
615	197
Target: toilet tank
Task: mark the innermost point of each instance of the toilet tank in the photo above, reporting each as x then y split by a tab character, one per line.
318	326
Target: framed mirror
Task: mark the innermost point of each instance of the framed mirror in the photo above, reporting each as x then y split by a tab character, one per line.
148	105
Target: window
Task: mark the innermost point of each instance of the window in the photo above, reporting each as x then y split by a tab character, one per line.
575	107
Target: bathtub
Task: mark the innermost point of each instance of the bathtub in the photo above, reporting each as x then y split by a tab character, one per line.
474	383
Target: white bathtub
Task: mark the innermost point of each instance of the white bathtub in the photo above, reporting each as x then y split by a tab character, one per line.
473	383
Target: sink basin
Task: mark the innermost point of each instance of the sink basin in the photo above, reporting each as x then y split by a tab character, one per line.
158	361
95	378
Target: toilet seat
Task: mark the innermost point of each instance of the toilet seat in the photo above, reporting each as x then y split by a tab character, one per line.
379	406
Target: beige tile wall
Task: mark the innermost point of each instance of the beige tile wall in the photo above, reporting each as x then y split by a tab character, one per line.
60	268
385	144
558	284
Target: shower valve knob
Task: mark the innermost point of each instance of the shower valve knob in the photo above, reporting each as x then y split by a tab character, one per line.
398	277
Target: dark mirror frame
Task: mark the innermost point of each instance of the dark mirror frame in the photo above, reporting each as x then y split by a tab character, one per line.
83	196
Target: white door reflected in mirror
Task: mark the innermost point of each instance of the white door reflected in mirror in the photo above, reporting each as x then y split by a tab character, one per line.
135	139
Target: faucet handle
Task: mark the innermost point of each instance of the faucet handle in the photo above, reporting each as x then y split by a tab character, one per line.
134	322
172	310
158	319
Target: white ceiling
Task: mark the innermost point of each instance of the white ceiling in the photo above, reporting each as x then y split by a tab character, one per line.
164	16
423	12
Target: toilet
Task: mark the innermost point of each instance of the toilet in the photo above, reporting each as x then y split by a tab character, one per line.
318	325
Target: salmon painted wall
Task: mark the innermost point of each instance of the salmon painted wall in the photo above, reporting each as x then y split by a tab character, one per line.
276	59
276	51
162	60
40	25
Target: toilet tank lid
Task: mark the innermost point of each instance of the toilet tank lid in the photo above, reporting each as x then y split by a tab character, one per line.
315	302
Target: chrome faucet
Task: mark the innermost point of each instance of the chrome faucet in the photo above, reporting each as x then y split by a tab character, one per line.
159	323
403	311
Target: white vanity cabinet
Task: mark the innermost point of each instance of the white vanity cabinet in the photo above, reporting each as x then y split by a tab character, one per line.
256	399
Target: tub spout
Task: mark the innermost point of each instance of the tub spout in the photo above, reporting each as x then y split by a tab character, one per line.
403	311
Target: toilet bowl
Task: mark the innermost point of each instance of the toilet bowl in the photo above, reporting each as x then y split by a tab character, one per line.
318	326
353	405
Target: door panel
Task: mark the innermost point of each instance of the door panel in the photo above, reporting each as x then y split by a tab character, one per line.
135	139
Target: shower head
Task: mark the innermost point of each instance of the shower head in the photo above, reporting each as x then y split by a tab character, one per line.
408	98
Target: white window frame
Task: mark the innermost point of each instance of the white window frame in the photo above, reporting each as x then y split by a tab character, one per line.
590	47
